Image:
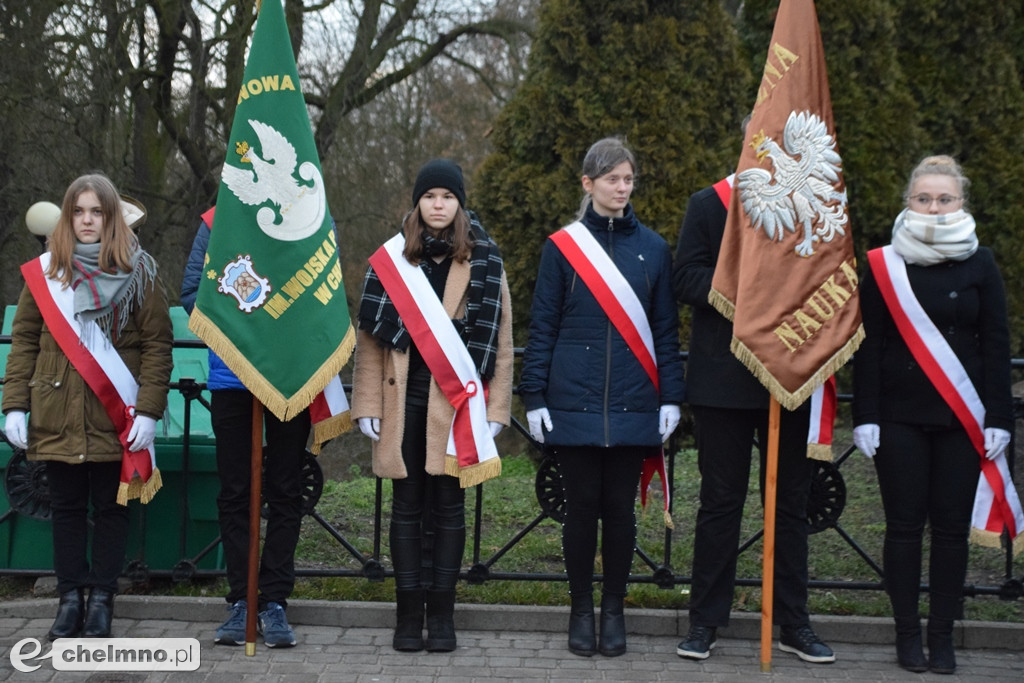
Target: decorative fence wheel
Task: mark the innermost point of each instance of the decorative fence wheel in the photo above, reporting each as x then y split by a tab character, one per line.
548	485
827	498
28	490
312	485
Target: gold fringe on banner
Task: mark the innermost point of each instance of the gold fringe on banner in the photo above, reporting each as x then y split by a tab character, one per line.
793	400
284	408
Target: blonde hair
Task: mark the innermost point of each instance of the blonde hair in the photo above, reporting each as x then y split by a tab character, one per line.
940	164
117	241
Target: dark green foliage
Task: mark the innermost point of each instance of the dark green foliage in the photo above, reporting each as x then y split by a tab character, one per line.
967	84
666	76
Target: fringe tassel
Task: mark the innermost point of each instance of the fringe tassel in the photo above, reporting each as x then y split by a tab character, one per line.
284	408
793	400
325	430
668	520
986	539
722	304
136	488
473	474
820	451
990	539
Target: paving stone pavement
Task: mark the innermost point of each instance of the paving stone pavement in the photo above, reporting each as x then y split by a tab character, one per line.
341	642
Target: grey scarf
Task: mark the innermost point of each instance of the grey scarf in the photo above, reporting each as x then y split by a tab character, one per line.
109	298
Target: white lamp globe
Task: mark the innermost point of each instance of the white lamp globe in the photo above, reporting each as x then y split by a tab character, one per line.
41	218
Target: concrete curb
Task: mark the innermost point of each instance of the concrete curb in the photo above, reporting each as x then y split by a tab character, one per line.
524	618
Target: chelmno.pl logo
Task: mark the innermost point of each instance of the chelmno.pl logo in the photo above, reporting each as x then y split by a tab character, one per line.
108	654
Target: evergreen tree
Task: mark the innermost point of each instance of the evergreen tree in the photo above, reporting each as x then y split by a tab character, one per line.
666	76
960	60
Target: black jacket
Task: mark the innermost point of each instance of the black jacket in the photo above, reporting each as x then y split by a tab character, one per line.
714	377
967	303
578	366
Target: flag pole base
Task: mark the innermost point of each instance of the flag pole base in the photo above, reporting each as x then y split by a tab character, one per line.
250	650
766	667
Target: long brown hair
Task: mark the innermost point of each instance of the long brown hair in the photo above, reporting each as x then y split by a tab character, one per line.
117	241
457	234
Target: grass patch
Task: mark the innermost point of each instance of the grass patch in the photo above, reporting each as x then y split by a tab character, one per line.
509	504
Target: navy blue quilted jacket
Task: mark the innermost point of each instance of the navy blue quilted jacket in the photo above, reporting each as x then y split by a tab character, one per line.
576	363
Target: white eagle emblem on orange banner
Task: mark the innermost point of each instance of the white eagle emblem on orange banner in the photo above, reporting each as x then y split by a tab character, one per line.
802	187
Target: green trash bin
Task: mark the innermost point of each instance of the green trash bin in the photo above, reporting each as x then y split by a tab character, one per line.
169	532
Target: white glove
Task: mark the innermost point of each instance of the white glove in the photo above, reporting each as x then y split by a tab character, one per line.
370	426
534	419
495	428
668	420
996	441
140	436
866	438
15	429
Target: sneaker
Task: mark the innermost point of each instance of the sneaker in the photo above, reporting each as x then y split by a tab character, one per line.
232	631
698	643
273	624
805	644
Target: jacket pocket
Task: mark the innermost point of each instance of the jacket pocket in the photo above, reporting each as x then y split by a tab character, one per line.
50	407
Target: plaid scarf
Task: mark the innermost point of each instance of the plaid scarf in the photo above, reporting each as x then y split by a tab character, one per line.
479	327
109	298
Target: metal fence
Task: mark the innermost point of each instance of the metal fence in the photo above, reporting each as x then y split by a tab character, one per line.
25	487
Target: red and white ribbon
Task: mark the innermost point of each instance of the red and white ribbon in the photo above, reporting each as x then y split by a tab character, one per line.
469	440
996	502
100	366
620	303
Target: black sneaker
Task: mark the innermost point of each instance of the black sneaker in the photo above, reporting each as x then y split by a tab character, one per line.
699	642
805	644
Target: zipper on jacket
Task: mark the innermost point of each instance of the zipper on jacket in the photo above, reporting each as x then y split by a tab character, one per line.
647	276
608	348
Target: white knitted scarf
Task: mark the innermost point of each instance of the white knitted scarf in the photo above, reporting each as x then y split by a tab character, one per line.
926	239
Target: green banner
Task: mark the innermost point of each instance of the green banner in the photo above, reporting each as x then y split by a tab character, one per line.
271	301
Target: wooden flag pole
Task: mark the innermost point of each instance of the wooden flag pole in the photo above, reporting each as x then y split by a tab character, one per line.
255	488
768	572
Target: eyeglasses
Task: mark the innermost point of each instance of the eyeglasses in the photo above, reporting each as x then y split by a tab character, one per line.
923	201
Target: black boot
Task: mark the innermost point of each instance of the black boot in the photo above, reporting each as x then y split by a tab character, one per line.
409	625
941	658
99	611
613	626
582	639
440	621
909	649
70	613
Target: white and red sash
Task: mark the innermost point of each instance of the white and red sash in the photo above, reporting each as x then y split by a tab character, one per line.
996	503
620	303
823	400
103	371
472	453
329	411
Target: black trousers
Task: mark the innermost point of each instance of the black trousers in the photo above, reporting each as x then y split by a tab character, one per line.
724	451
926	476
231	417
424	502
599	484
72	489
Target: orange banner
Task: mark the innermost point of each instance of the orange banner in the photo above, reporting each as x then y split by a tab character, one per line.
786	273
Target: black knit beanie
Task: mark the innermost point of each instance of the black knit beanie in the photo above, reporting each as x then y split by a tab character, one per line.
439	173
